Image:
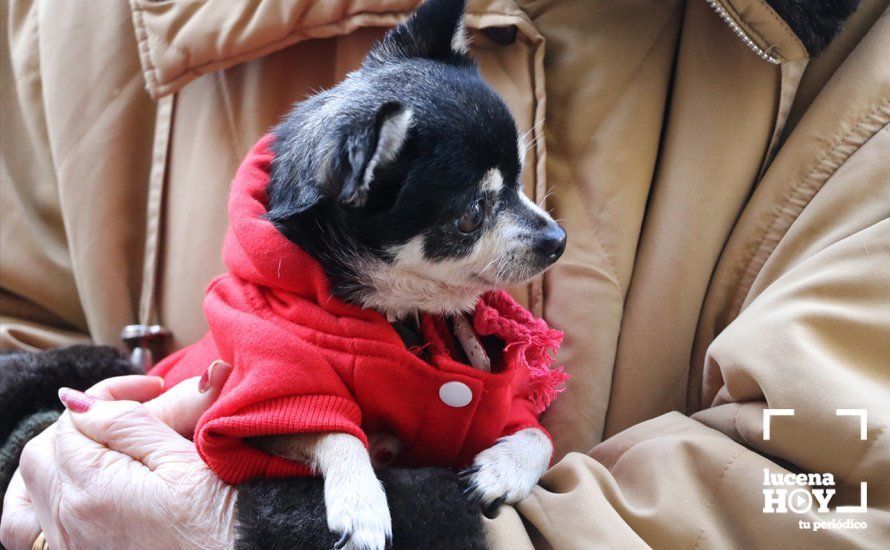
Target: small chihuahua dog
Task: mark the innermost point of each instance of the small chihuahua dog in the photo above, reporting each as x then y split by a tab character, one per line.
403	183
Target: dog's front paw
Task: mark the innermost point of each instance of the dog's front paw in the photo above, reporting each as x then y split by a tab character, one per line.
507	471
359	514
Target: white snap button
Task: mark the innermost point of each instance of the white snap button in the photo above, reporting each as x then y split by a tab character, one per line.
455	394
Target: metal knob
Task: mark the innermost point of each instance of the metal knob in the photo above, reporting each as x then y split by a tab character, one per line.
146	344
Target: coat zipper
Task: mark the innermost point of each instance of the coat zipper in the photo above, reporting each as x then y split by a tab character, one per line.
718	7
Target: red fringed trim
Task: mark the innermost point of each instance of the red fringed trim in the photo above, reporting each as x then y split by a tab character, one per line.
497	313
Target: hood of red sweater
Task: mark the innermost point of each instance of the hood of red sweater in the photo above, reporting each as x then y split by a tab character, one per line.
255	251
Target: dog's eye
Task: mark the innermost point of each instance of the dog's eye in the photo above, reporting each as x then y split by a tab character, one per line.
472	218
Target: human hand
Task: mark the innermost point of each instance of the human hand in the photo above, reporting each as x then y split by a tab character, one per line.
120	473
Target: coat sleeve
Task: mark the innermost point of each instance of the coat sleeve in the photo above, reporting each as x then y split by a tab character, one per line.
280	385
816	340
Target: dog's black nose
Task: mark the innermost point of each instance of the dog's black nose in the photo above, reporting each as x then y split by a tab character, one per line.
552	242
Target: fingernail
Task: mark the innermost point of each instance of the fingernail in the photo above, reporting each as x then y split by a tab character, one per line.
206	380
76	401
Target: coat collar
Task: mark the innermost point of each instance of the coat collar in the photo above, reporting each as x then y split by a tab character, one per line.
180	41
785	30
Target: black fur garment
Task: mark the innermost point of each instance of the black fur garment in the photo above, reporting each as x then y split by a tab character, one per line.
427	507
815	22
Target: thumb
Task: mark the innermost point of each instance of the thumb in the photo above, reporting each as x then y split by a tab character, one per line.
182	405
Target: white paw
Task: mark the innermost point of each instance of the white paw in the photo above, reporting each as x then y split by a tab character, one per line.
358	512
356	504
509	470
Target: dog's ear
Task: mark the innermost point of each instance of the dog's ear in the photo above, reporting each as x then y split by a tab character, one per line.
435	31
374	146
348	169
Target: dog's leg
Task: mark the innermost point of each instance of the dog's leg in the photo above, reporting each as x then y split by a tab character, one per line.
354	498
508	470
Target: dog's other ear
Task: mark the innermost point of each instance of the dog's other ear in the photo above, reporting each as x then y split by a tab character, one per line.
373	147
435	31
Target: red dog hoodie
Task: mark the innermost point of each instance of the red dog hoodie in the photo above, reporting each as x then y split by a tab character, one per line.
306	362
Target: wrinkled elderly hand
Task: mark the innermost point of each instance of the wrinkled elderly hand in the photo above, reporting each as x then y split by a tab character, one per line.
117	473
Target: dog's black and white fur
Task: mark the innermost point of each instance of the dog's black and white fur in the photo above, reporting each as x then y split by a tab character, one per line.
403	182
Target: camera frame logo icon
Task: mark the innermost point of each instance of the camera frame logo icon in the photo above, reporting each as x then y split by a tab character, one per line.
801	493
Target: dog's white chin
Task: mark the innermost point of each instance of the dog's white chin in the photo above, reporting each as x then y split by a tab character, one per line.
401	293
412	284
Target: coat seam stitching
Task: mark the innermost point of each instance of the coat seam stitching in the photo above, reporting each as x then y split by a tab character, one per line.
150	70
701	532
759	255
